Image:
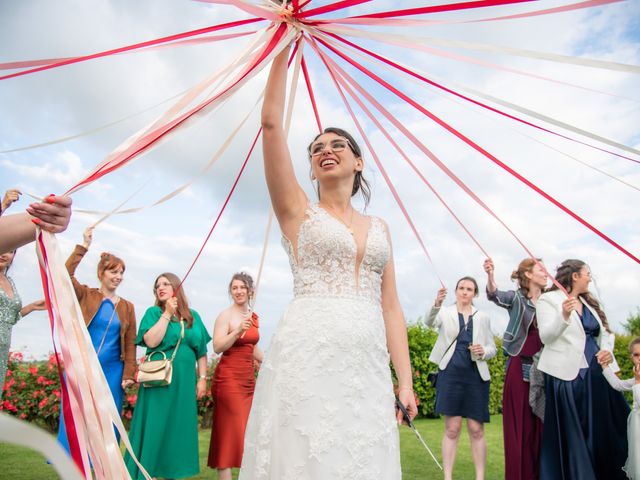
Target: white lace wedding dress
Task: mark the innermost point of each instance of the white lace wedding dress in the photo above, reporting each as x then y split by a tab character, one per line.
323	407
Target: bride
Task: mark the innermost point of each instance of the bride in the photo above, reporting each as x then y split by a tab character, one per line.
324	404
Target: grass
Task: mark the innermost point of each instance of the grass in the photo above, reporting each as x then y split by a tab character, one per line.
23	464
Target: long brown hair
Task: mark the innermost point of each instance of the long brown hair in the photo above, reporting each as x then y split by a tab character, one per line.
564	276
519	276
182	312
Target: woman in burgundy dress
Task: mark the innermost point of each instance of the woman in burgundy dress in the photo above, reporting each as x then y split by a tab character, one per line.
235	335
522	429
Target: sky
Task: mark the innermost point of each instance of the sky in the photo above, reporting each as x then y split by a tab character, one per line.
133	89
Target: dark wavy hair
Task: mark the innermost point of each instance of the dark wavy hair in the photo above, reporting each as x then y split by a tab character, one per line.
564	276
360	184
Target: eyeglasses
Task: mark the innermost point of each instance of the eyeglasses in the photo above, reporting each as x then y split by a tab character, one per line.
163	284
338	145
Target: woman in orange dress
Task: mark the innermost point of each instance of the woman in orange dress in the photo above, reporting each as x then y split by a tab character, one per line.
235	335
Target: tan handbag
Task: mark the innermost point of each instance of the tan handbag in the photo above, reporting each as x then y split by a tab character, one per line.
158	373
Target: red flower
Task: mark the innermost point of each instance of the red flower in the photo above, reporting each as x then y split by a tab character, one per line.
15	356
23	416
128	415
43	402
56	393
132	399
9	373
33	370
7	405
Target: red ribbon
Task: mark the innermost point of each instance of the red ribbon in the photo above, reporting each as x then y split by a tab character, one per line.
464	97
69	423
224	206
312	97
442	8
481	150
427	152
149	139
332	7
135	46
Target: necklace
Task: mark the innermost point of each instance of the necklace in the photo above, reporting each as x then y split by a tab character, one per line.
337	216
112	297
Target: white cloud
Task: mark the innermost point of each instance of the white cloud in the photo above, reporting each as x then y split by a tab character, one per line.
72	99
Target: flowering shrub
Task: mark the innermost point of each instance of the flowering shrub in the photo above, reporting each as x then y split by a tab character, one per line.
32	391
205	404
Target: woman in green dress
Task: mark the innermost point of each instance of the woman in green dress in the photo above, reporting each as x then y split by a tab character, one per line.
164	428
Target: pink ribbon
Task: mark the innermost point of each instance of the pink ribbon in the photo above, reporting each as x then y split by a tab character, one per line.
135	46
464	97
483	151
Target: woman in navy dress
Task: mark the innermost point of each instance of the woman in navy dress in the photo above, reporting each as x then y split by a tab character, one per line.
521	427
464	344
585	424
111	322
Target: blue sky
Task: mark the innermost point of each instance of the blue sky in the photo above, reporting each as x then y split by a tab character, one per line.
66	101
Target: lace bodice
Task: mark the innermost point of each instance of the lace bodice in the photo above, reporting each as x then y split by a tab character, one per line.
326	260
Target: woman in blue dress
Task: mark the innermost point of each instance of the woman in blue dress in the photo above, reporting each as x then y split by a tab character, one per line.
585	422
464	344
111	322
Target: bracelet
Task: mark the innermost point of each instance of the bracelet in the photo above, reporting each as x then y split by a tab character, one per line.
203	377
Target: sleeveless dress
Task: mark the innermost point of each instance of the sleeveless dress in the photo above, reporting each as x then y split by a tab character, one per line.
324	403
232	392
460	390
585	421
104	331
9	315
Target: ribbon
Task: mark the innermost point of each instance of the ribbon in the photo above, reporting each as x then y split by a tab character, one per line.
135	46
414	43
143	143
392	141
441	8
189	41
312	97
567	126
378	163
395	21
224	206
484	152
93	412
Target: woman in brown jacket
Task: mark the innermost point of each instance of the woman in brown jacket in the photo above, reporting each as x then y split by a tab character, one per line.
111	322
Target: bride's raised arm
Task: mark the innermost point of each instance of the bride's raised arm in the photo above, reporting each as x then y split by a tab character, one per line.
287	197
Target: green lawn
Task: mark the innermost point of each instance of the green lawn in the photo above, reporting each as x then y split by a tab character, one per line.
22	464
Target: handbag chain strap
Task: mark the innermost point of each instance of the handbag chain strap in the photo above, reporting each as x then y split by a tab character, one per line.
108	325
175	350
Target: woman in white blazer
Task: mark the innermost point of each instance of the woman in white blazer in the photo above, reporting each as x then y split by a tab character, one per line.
464	344
584	434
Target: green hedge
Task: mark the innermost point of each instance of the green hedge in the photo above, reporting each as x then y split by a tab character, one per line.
421	342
